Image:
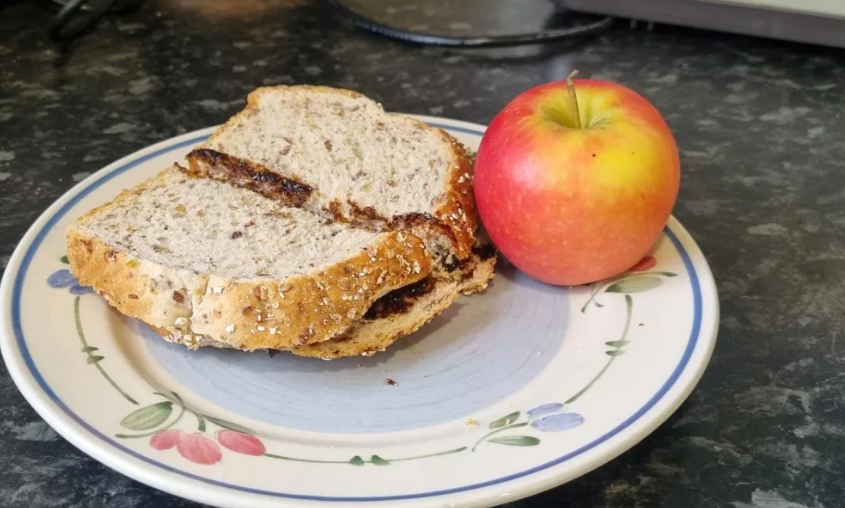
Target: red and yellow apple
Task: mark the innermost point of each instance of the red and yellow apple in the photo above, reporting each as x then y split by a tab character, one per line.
575	191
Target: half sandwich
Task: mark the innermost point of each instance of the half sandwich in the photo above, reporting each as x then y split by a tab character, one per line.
339	154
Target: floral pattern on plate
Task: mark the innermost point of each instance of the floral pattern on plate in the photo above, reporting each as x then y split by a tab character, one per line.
202	446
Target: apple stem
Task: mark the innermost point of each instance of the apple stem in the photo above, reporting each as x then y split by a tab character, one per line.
573	98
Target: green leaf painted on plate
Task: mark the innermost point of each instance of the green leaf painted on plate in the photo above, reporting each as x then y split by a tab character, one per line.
65	260
148	417
618	343
356	461
516	440
505	420
94	359
378	461
665	274
88	349
636	284
615	352
228	425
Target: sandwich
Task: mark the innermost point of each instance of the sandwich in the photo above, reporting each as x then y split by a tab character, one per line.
311	222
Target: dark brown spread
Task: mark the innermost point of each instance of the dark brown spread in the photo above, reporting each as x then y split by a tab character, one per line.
484	251
250	175
399	300
481	251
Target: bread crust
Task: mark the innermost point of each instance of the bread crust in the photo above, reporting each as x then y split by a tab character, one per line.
367	337
250	314
454	215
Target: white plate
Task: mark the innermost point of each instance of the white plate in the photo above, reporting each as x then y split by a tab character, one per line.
506	394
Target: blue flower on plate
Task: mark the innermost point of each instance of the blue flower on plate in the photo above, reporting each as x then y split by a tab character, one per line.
64	279
553	418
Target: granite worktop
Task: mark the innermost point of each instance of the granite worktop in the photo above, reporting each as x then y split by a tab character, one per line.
760	126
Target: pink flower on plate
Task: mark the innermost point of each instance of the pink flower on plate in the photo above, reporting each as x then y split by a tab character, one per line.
644	264
199	448
241	442
166	439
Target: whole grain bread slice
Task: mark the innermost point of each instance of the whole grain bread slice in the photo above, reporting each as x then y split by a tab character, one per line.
207	263
339	153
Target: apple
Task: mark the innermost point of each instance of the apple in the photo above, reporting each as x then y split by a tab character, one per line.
575	180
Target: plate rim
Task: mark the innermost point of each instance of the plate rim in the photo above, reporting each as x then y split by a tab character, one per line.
89	440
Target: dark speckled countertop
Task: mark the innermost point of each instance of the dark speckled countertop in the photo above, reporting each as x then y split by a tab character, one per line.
760	126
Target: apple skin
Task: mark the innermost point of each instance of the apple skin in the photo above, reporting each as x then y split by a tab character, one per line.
571	206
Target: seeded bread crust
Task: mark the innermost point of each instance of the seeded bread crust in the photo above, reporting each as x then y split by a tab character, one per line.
454	215
369	336
211	309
